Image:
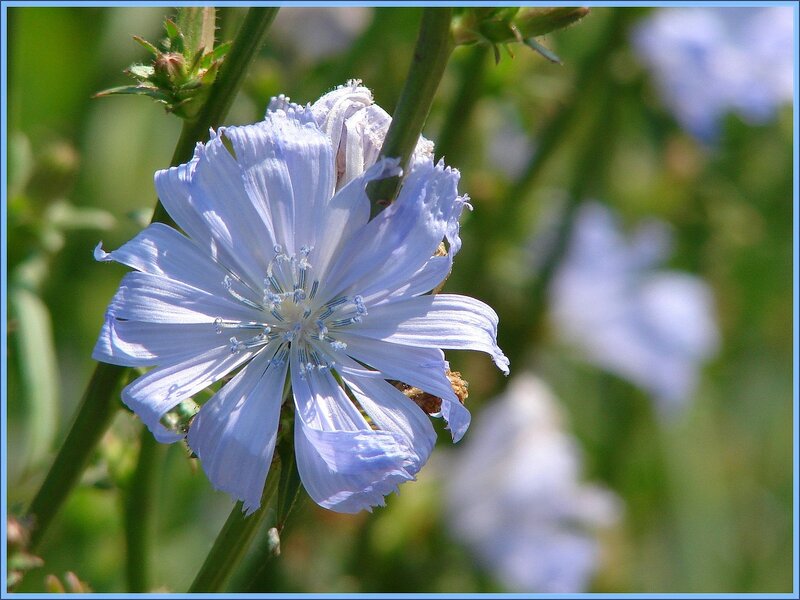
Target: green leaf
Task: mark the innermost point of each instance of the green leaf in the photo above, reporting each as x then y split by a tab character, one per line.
139	90
216	56
147	45
37	368
175	40
140	71
171	28
546	52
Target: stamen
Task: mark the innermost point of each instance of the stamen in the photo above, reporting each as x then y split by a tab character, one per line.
361	309
322	329
314	288
271	281
220	325
345	322
337	344
228	285
290	334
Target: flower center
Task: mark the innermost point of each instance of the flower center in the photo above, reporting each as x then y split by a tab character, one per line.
291	313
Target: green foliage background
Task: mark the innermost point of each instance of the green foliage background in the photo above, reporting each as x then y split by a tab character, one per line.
708	495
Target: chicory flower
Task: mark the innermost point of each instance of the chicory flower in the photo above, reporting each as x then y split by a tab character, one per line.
280	278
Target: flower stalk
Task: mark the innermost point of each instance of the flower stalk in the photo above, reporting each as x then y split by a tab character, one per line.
234	539
139	513
431	53
97	407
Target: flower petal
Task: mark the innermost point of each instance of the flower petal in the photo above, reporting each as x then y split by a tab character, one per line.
334	113
423	368
152	299
235	431
136	344
438	321
396	244
209	219
345	214
344	465
157	392
160	250
288	171
234	218
393	411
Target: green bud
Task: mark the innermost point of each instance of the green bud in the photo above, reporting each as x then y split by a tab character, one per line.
184	66
502	26
533	22
171	66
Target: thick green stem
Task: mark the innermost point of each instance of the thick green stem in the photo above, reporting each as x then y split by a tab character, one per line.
590	164
93	418
234	540
97	408
471	74
591	75
431	53
139	513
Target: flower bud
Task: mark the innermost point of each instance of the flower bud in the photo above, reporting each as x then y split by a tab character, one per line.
171	65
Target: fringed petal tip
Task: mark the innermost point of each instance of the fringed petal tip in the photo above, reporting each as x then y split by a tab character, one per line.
502	362
281	105
100	254
457	418
249	507
371	496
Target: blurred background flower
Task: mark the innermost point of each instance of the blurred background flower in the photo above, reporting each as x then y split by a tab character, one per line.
515	494
653	327
713	60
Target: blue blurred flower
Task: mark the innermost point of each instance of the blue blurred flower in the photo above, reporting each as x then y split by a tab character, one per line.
654	328
709	61
515	495
280	275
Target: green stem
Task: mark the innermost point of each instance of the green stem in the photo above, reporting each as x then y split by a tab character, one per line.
97	408
92	420
471	73
433	49
234	540
139	514
222	93
588	170
262	567
593	73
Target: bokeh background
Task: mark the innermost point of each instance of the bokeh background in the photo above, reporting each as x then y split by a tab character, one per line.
632	227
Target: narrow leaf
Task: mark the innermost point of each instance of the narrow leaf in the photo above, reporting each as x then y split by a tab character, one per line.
546	52
139	90
147	45
37	368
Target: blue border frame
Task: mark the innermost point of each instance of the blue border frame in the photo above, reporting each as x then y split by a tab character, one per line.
4	282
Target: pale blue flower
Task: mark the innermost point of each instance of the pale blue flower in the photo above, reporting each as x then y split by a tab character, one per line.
652	326
281	277
516	496
708	61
